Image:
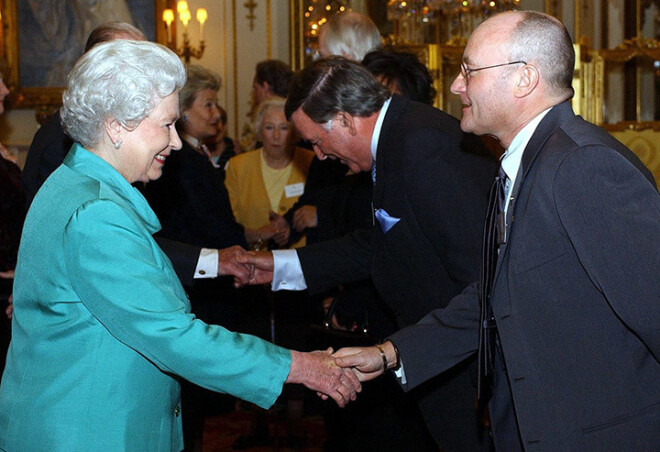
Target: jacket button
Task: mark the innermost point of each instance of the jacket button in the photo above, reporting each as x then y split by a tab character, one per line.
177	410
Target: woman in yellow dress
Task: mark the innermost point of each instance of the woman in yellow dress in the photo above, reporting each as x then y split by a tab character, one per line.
268	180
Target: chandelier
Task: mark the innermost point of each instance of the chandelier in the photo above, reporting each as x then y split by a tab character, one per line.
317	13
185	16
441	21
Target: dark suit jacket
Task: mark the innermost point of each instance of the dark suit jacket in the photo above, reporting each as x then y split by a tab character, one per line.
191	202
322	189
436	179
576	300
49	147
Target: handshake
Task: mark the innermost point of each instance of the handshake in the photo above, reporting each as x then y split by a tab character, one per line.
247	267
339	375
335	375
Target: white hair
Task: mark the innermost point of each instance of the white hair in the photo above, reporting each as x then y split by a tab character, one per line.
351	35
122	80
270	103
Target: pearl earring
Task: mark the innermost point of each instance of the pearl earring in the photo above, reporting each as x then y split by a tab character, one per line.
117	144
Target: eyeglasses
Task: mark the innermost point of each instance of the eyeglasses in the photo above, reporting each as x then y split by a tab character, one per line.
465	71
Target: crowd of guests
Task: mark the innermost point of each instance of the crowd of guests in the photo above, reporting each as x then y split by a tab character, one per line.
141	210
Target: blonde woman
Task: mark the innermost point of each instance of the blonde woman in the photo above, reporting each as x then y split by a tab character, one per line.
269	180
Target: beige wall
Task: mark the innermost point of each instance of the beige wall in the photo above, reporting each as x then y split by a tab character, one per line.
234	49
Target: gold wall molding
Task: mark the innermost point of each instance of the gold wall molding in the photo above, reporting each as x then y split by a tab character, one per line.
234	29
269	37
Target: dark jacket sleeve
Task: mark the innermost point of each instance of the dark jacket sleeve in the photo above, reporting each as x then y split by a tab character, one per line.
442	339
347	259
184	258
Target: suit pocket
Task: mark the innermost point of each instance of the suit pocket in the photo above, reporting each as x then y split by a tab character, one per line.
650	411
530	257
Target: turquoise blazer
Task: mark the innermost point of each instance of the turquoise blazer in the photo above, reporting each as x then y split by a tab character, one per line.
102	326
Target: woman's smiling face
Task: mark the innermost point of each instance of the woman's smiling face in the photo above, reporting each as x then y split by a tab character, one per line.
144	149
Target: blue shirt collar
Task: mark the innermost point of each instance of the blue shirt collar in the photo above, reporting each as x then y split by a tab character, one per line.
513	155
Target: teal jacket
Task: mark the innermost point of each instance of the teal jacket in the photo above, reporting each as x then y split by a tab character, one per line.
102	326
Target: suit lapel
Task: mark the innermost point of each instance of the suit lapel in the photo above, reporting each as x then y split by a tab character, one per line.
545	129
385	145
548	125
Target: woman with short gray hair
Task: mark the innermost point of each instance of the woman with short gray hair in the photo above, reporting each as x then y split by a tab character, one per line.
102	328
113	86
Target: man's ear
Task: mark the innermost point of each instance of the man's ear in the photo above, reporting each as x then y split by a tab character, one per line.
266	88
347	120
528	81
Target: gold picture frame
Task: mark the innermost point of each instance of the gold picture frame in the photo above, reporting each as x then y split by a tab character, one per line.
44	97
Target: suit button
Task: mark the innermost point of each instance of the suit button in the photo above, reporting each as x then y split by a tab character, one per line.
177	410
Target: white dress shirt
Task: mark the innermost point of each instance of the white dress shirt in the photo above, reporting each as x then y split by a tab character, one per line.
513	156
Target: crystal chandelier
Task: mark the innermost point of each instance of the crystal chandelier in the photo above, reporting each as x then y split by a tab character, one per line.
441	21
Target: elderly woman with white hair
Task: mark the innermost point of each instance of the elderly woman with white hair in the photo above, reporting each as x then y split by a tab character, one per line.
102	327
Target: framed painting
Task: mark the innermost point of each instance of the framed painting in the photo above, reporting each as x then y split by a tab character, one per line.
41	40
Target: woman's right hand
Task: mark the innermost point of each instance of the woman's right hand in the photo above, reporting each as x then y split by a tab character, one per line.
318	371
278	229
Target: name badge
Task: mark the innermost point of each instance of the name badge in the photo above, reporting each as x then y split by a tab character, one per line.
293	190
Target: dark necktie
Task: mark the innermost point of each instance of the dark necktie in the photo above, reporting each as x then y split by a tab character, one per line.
494	235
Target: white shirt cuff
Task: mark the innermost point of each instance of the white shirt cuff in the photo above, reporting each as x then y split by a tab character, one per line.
400	374
287	271
207	264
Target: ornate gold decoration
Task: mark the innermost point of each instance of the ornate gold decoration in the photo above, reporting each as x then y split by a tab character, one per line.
644	140
187	51
251	4
441	21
